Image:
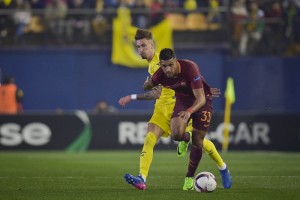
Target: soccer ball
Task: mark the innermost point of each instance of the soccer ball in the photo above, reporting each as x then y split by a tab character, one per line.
205	182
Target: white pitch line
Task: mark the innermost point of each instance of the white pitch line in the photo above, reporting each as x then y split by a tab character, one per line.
266	176
61	177
107	177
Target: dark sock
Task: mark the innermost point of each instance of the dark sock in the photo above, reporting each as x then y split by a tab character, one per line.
195	157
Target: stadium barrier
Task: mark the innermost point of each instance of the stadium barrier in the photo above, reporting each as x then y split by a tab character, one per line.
80	131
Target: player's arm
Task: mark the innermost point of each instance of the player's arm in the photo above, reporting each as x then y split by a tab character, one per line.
198	103
148	85
150	95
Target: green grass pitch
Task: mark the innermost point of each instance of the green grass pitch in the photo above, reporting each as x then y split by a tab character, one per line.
99	175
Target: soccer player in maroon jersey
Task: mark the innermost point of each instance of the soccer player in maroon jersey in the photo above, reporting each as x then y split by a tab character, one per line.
193	101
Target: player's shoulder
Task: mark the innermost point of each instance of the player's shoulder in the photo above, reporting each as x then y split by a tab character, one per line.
187	63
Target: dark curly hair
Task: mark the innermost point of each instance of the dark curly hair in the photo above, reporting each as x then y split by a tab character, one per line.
166	54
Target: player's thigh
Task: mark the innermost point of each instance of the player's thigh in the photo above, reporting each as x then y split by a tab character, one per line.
178	127
156	130
202	118
161	120
198	137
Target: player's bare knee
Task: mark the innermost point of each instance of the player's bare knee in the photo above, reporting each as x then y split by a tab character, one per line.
176	136
197	144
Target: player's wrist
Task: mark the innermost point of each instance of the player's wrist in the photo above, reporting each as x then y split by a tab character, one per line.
133	96
190	110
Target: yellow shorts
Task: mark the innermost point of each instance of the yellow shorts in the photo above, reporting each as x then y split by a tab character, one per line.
162	117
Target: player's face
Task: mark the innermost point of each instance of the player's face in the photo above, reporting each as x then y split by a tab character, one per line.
145	48
169	67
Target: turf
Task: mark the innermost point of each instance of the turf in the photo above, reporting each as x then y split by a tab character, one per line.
99	175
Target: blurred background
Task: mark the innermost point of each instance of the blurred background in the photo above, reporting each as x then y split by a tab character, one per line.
63	56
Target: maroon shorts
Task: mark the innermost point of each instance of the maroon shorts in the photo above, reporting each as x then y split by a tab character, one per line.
201	118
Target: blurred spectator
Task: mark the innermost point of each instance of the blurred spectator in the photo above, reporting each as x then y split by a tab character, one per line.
55	14
99	6
78	26
273	39
293	26
254	30
111	3
173	3
99	22
214	17
35	31
190	5
21	16
103	107
156	12
10	97
140	19
37	4
7	27
239	14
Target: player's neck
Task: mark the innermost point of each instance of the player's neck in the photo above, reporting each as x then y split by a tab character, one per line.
150	58
178	69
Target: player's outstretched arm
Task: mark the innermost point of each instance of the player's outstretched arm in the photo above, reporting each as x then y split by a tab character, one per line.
151	95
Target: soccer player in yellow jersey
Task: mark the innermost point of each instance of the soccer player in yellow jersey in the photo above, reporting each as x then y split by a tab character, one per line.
159	124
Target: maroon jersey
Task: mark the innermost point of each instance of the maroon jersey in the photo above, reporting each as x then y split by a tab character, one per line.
189	78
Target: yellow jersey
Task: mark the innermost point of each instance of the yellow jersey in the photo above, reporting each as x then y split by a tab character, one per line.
167	95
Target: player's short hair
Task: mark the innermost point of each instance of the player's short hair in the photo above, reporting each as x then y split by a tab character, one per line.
166	54
143	34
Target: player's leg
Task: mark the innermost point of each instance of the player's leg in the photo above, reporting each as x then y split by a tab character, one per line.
183	146
211	150
201	121
146	157
159	125
195	157
178	127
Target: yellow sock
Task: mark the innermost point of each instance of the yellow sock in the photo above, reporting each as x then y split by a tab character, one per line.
147	154
211	150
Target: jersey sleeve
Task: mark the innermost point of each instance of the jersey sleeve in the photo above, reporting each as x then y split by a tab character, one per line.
195	77
157	77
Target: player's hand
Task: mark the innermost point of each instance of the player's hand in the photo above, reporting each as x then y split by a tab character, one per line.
185	116
148	85
216	92
156	92
124	100
147	79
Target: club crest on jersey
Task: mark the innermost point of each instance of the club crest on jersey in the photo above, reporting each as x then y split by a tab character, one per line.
196	79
